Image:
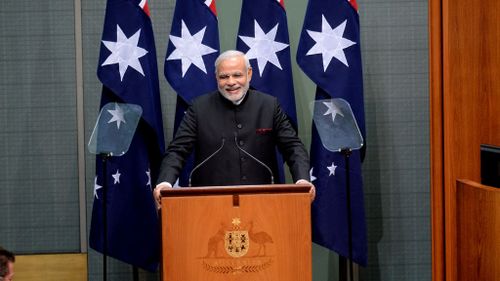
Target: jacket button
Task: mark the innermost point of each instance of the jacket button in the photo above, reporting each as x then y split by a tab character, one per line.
242	142
239	126
244	178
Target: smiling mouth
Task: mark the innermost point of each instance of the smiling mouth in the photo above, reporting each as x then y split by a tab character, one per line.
232	91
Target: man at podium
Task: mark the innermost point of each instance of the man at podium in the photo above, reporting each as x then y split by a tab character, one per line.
234	132
7	260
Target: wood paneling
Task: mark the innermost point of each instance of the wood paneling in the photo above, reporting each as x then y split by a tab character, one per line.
465	84
478	225
61	267
200	236
436	131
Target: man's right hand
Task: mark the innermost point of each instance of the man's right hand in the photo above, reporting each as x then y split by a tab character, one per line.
157	192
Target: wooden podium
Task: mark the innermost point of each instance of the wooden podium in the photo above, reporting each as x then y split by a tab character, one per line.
236	233
478	231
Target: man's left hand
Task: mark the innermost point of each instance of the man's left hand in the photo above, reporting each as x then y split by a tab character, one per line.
312	191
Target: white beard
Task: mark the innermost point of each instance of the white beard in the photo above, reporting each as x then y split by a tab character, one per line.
235	99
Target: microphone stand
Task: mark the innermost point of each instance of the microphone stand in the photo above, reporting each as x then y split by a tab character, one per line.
204	161
253	157
347	153
104	158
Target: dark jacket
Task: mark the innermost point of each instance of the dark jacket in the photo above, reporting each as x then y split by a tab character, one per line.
258	125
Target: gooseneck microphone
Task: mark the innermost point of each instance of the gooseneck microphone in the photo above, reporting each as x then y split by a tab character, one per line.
206	159
253	157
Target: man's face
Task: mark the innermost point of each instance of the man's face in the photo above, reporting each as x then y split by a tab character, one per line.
233	79
10	274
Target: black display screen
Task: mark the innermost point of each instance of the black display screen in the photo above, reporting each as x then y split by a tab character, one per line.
490	165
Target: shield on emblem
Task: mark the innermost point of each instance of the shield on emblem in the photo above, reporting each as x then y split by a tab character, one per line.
236	243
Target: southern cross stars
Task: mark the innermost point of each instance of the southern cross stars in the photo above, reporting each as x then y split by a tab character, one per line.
330	43
96	187
116	180
189	49
116	177
332	169
263	47
148	174
125	52
311	177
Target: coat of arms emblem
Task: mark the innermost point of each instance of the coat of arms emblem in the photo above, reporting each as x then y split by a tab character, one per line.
236	243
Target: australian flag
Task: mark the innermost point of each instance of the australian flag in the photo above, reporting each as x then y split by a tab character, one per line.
329	53
192	49
128	71
263	37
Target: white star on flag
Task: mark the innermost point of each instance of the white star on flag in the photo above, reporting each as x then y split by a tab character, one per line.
96	187
125	52
333	110
118	116
311	177
330	43
332	169
189	49
263	47
116	176
148	174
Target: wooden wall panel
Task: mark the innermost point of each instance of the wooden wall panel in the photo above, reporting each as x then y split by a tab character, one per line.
436	144
478	225
469	95
61	267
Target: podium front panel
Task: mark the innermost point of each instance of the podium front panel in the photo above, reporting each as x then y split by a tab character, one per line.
236	237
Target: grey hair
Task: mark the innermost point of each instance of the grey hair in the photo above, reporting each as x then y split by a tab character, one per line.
231	54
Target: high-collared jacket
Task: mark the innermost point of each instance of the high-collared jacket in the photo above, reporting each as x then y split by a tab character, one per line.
228	140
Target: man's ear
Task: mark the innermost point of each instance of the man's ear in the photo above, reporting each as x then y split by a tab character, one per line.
249	74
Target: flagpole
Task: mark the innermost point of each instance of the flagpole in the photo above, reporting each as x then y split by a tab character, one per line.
347	153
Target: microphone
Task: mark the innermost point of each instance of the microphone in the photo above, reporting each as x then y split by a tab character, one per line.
254	158
206	159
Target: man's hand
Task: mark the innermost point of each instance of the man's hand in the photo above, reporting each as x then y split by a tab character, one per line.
312	191
157	194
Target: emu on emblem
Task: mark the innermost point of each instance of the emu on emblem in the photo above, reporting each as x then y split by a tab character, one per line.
236	243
